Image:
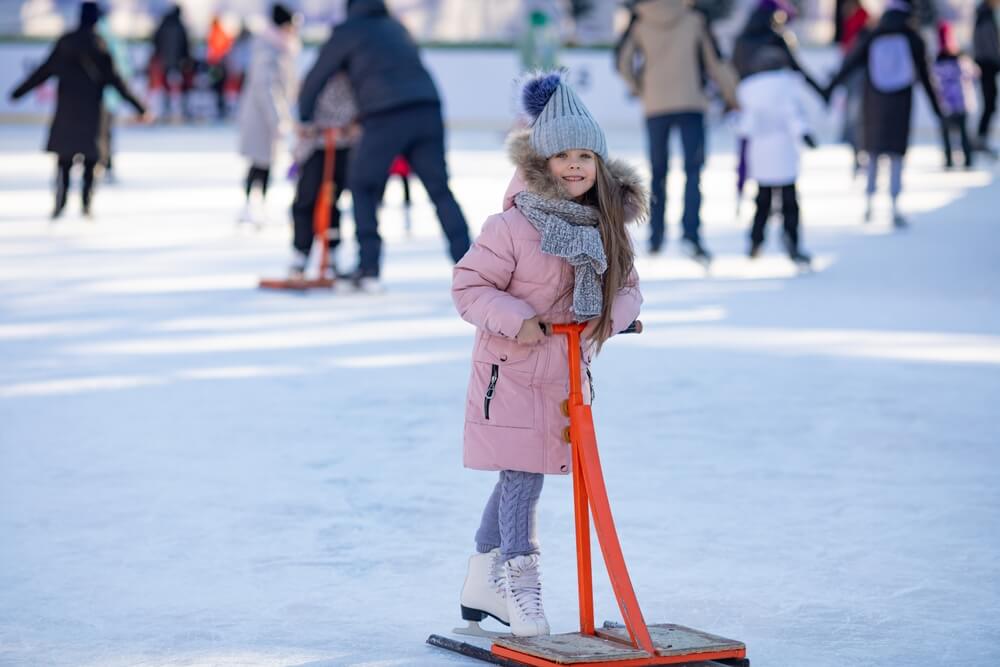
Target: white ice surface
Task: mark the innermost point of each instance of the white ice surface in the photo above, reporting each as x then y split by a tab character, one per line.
195	472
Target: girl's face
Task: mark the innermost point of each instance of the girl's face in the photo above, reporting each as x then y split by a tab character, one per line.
575	169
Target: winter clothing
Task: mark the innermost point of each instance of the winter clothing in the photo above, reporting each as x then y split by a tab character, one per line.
772	118
986	51
400	114
281	15
380	58
170	42
765	45
417	133
334	109
523	590
504	279
307	189
265	110
569	230
81	62
954	74
691	125
484	590
894	57
674	47
559	120
789	214
673	43
508	521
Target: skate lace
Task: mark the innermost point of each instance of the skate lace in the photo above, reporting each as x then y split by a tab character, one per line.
496	575
526	588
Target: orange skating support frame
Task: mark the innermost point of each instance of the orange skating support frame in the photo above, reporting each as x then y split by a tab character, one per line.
590	496
321	225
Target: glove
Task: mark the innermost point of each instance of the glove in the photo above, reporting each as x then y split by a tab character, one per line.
809	140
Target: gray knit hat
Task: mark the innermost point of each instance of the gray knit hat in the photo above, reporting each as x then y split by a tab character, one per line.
559	120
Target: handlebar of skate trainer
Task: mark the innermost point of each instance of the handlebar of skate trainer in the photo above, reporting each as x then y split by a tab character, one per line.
634	328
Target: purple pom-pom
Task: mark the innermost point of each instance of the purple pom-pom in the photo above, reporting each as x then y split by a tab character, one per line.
536	91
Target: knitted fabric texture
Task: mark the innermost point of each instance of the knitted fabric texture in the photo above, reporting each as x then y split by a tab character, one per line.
509	517
564	124
569	230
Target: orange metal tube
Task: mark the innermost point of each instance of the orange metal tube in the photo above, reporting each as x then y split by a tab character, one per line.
324	201
588	485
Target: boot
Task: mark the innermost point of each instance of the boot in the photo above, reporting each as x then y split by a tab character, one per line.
523	588
483	593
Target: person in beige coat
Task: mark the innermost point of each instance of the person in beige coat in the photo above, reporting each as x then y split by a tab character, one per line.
663	57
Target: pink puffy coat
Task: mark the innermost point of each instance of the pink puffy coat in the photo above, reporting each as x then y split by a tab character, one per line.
504	279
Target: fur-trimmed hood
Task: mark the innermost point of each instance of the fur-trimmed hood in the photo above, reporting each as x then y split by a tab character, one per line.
533	175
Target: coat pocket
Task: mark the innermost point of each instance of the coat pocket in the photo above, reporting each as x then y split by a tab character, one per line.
501	397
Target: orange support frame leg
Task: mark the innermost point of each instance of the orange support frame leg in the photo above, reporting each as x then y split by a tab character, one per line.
589	489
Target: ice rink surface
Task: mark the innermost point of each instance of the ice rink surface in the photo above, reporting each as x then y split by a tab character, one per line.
195	472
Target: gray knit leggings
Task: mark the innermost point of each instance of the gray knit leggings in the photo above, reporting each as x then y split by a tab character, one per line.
895	173
509	518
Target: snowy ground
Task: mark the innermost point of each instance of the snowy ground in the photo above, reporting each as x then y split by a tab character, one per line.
194	472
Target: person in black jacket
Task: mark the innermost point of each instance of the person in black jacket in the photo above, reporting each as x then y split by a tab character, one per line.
172	50
986	51
894	58
400	114
81	62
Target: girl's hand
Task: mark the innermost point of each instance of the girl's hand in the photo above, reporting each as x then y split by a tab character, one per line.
531	332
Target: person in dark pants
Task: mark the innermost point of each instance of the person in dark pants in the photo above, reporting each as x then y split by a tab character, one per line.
662	57
335	109
986	51
172	49
953	73
400	114
83	66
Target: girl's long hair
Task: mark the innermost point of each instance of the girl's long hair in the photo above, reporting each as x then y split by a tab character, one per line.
609	199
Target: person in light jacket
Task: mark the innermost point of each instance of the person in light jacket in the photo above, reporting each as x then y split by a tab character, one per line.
265	108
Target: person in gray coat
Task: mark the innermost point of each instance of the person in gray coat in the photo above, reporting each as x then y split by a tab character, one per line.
265	109
400	114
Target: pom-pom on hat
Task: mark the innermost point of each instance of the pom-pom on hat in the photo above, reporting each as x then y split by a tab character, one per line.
559	120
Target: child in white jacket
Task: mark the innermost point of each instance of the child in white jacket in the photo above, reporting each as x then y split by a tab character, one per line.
773	122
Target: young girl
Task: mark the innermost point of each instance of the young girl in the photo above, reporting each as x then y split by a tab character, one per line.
559	252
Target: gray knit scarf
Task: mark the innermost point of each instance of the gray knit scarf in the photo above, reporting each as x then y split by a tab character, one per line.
569	230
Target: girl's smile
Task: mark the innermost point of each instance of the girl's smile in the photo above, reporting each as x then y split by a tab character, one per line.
576	169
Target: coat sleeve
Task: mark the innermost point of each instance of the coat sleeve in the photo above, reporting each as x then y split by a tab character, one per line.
332	58
721	73
116	80
39	76
625	53
625	309
480	280
855	58
919	53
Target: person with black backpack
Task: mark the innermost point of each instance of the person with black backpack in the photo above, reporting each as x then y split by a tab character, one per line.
81	62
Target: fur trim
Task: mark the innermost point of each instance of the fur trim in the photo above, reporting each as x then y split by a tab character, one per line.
534	169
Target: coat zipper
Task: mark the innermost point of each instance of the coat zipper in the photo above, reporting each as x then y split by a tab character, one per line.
494	376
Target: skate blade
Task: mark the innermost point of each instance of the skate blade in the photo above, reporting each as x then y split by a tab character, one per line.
473	629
